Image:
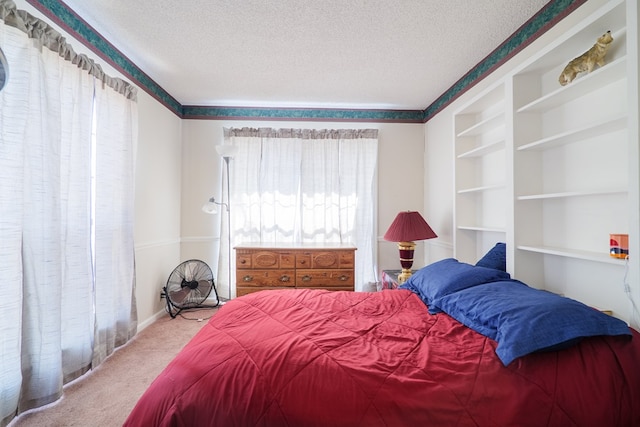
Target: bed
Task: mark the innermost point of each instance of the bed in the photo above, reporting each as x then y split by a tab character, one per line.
442	350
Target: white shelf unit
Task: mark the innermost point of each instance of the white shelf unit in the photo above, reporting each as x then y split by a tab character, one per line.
553	170
570	173
480	174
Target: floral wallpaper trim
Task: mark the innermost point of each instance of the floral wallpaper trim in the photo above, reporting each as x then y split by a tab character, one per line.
330	114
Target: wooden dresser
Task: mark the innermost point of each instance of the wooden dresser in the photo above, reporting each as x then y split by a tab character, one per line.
272	266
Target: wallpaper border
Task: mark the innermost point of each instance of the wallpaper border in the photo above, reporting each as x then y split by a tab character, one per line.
546	18
298	114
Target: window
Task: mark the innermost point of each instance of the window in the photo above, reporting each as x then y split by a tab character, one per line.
301	185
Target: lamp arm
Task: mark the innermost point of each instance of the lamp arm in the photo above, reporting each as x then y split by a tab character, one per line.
213	200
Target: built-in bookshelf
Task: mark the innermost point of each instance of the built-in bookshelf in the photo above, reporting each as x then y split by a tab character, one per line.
552	170
480	174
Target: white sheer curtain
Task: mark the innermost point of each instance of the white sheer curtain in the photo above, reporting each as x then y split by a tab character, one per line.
48	307
116	129
299	186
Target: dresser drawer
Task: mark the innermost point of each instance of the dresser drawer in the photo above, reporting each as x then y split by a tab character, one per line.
265	259
325	259
318	278
266	278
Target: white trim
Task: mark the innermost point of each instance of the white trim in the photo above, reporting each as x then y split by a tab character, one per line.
150	320
168	242
200	239
156	244
442	244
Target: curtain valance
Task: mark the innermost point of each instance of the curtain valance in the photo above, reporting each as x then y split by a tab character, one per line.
46	36
301	133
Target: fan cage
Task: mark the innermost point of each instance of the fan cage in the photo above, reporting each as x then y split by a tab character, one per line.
188	287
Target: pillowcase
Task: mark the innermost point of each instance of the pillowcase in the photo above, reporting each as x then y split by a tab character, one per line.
495	258
524	320
447	276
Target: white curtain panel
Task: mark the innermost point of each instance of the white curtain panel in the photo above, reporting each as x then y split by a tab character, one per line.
303	186
115	306
45	207
13	122
75	208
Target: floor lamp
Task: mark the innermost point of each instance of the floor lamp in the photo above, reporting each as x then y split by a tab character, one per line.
211	207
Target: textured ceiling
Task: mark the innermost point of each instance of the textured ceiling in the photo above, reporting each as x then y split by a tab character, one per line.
370	54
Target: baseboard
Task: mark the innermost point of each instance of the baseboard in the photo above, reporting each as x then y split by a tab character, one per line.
151	319
209	301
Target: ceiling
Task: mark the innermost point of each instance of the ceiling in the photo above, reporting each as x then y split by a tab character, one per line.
368	54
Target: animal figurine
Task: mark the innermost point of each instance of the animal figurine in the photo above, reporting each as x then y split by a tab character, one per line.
588	60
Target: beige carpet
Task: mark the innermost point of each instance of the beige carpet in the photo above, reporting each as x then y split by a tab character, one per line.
105	396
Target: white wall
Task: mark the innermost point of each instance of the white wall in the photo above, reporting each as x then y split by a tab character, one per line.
400	181
157	203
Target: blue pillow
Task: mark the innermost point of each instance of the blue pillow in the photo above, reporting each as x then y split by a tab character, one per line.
524	320
495	258
447	276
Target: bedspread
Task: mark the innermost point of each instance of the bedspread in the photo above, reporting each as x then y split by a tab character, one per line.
321	358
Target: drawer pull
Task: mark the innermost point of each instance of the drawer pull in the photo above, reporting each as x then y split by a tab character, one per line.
343	278
306	278
285	278
247	278
244	261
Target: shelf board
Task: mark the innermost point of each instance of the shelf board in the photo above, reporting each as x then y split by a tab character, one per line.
481	189
577	135
491	122
482	228
484	149
569	194
573	253
584	83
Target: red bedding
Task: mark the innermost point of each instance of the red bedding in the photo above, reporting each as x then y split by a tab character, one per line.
320	358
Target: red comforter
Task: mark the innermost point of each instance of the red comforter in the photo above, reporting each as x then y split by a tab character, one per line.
320	358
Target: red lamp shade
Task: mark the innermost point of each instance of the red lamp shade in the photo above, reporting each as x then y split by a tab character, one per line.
407	227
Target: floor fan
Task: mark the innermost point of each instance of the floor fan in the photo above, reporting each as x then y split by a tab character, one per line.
188	286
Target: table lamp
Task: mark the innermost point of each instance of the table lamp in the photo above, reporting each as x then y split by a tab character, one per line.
405	229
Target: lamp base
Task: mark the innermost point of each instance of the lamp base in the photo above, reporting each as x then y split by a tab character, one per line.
406	259
404	276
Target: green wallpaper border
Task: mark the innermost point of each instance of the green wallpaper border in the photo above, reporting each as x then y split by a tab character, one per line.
547	17
308	114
